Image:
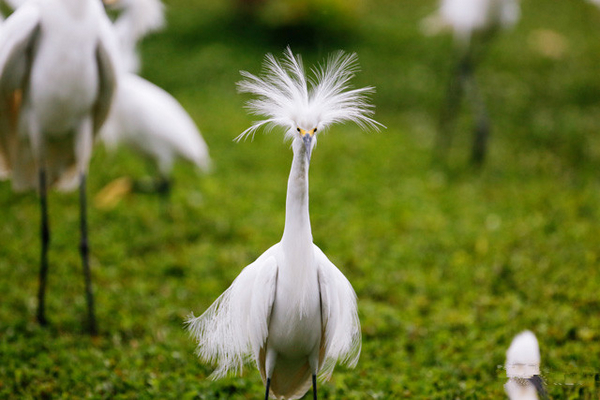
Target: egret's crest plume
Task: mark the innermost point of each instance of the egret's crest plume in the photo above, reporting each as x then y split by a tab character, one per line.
290	100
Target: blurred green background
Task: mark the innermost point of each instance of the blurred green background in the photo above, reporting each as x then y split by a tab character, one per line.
448	262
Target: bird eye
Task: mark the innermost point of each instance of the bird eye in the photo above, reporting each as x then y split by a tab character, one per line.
315	131
298	129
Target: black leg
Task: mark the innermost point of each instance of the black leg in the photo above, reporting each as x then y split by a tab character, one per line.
45	238
85	250
268	386
482	124
480	140
314	387
451	107
163	186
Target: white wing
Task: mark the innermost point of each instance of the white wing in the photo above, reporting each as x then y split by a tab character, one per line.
150	120
17	36
340	316
235	326
107	59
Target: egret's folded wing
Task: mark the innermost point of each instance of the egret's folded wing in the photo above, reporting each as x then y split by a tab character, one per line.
17	38
107	60
339	313
237	322
150	120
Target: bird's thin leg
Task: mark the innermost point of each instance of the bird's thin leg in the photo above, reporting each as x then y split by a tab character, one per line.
45	239
451	107
314	382
268	387
482	123
85	250
163	186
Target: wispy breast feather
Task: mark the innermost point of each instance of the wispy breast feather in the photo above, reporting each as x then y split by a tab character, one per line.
234	328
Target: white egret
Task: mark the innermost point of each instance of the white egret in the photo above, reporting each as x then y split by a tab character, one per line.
523	368
150	121
138	18
57	78
143	116
291	310
472	22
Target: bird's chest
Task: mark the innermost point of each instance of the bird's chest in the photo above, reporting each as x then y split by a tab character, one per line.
63	82
295	325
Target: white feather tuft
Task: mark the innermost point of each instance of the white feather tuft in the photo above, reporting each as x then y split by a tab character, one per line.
288	99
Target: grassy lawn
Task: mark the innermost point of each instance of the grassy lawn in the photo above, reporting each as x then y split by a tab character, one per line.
448	262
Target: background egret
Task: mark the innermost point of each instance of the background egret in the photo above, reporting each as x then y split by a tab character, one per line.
150	121
57	56
143	116
473	23
291	309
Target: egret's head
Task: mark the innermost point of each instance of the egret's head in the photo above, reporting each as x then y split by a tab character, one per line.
309	138
304	106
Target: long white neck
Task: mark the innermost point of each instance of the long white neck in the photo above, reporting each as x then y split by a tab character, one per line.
298	273
297	232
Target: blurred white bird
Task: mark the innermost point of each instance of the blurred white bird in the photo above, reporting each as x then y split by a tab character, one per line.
596	2
469	18
523	368
291	310
144	117
473	22
57	78
138	18
150	121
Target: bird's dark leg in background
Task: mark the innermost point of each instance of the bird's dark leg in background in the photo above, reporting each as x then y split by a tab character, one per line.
163	188
463	81
451	106
268	386
85	259
45	239
314	381
482	123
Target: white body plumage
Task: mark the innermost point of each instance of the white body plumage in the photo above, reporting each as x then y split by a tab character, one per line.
145	117
149	120
57	68
291	311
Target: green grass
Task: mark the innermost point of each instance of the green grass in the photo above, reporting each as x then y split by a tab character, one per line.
449	263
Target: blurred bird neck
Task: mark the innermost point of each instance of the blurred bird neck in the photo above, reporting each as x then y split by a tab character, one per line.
297	232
